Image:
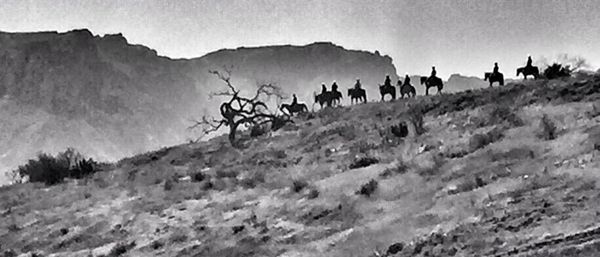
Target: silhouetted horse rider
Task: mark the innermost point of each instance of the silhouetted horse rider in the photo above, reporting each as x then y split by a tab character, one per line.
529	61
334	86
406	80
323	89
495	72
388	81
294	100
357	84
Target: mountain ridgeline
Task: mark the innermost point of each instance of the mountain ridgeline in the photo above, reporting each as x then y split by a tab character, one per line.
109	98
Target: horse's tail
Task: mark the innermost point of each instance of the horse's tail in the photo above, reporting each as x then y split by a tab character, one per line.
423	80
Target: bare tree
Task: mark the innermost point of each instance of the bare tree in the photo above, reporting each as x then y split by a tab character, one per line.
240	110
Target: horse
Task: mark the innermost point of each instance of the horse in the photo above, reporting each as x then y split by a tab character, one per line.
529	70
433	82
293	108
357	94
384	90
408	90
327	98
491	77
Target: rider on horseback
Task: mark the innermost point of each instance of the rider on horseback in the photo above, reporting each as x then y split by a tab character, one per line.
406	79
433	74
357	84
529	61
295	100
323	88
334	86
388	81
495	72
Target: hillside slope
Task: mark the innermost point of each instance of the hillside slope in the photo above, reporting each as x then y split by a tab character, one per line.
111	99
485	178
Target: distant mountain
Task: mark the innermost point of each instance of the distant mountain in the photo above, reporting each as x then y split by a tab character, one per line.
109	98
455	83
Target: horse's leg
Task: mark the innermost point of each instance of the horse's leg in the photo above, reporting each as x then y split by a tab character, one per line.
426	90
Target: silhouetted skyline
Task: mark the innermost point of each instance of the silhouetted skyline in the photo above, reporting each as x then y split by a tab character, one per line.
463	36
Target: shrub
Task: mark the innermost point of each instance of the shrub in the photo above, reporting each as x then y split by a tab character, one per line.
368	189
298	185
478	141
400	130
557	70
168	184
313	193
546	130
401	168
500	114
257	131
120	249
415	116
54	169
198	176
363	162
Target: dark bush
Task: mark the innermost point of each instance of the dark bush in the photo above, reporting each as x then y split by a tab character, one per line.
198	176
257	131
395	248
120	249
400	130
298	185
368	189
54	169
363	162
556	70
313	193
546	130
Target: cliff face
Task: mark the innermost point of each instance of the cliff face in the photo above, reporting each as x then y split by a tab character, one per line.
109	98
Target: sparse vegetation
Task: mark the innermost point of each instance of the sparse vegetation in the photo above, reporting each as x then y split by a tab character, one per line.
363	162
299	185
479	141
54	169
368	189
557	70
502	115
547	129
120	249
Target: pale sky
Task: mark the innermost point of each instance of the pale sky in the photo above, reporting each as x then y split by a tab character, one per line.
456	36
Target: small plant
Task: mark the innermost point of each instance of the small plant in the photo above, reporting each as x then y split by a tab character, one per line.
168	186
363	162
478	141
120	249
258	130
547	130
368	189
502	114
198	176
299	185
415	116
398	169
400	130
313	193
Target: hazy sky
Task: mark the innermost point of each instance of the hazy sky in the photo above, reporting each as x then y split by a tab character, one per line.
456	36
